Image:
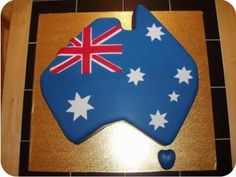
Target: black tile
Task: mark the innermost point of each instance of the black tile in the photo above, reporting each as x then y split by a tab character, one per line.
96	174
208	7
99	5
200	173
30	67
215	63
24	151
46	174
162	173
151	5
60	6
23	166
220	113
224	165
224	161
26	117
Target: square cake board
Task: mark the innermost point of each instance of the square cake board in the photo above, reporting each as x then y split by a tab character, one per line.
120	147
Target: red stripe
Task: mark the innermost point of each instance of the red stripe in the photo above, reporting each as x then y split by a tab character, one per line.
75	42
106	49
86	50
70	50
91	49
106	34
108	64
61	67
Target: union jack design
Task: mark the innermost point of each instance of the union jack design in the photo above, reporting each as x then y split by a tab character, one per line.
89	50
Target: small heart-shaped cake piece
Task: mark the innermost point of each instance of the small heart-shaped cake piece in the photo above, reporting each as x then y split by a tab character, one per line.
166	158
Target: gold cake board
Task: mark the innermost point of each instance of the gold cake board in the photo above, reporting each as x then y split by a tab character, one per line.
120	147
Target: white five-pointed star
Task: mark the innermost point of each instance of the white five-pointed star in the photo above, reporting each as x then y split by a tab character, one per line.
158	120
79	106
135	76
173	97
183	75
155	32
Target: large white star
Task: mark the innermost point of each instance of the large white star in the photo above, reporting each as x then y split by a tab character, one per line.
155	32
183	75
173	97
79	106
135	76
158	120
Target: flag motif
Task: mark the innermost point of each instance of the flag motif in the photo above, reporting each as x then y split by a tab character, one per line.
89	50
107	74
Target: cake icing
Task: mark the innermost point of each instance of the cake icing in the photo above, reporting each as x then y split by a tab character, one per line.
107	74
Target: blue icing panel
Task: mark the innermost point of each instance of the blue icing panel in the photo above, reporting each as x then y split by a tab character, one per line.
107	74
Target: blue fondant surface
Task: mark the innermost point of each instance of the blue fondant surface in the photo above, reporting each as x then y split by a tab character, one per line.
112	97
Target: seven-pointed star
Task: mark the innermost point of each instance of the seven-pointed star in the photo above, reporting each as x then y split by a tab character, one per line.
155	32
79	106
135	76
158	120
183	75
173	97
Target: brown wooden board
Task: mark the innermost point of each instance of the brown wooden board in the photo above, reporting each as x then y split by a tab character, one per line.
13	84
227	25
120	147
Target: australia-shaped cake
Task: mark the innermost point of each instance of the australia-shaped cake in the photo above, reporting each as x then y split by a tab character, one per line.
106	74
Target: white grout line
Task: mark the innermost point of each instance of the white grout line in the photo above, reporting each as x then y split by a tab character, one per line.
76	6
222	139
123	5
28	90
32	42
24	141
169	5
214	87
70	173
179	173
212	39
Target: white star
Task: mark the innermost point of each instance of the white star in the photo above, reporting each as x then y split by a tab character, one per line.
135	76
173	97
79	106
155	32
158	120
183	75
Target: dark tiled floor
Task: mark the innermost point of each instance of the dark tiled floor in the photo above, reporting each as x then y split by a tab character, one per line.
30	67
129	5
220	113
215	63
208	8
99	5
60	6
